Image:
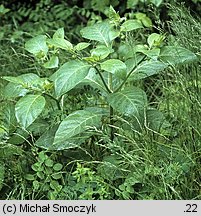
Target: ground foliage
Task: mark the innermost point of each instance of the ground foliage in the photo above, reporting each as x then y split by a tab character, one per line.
100	100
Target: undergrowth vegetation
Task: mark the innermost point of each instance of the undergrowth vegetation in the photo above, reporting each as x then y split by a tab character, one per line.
100	100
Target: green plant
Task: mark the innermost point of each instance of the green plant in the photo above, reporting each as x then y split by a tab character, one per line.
3	10
50	180
47	179
134	3
112	66
154	156
88	185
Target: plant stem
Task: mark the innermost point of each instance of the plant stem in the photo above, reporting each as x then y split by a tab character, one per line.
121	85
111	123
99	73
111	110
102	79
57	101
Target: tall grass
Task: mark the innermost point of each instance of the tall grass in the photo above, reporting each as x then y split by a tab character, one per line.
167	165
183	96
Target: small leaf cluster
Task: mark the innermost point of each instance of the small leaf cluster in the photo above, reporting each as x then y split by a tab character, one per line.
88	184
47	177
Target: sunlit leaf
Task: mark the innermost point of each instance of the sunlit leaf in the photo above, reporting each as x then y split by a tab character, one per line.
132	3
155	39
101	52
115	67
28	108
146	21
176	55
59	34
81	46
52	63
156	2
147	68
102	32
69	75
17	85
131	25
93	80
37	45
60	43
76	123
129	101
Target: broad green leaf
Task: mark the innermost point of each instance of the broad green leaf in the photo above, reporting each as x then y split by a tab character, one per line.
129	101
59	34
155	39
28	108
16	80
37	166
115	81
38	127
146	21
115	67
176	55
12	90
40	175
101	52
93	80
26	79
140	48
60	43
131	25
3	132
155	120
52	63
47	139
127	51
114	33
132	3
76	123
147	68
102	32
69	75
8	120
153	53
156	2
37	45
17	85
55	186
29	78
3	10
113	15
81	46
42	156
131	63
19	136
